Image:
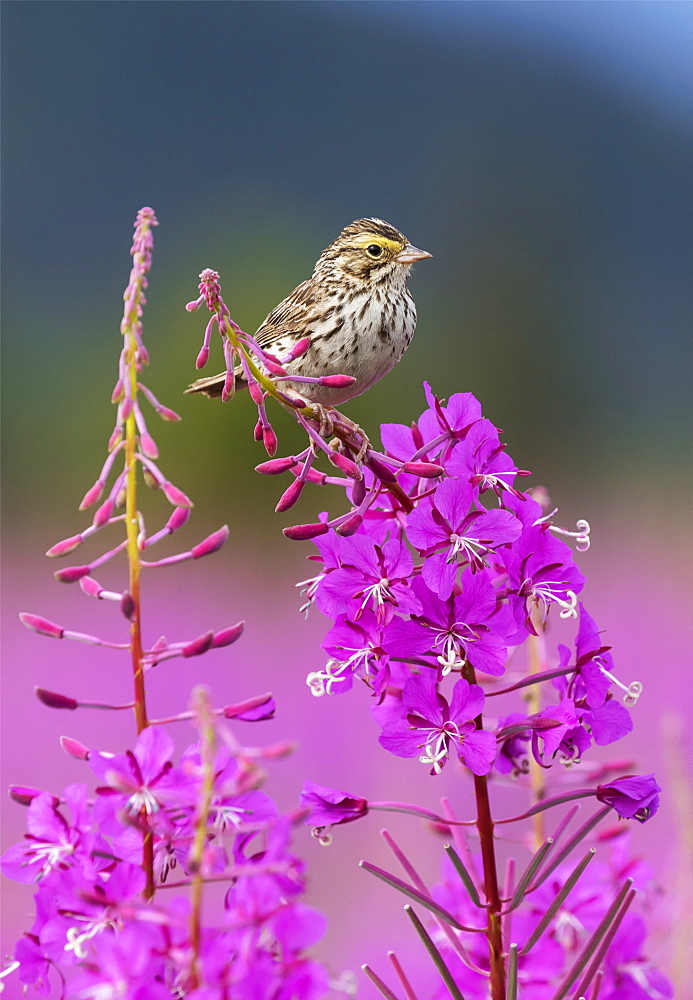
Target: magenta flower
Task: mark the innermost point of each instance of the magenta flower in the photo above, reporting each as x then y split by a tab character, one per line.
481	461
355	650
541	572
448	424
329	806
464	534
52	842
138	782
634	797
467	627
512	749
559	730
436	727
371	576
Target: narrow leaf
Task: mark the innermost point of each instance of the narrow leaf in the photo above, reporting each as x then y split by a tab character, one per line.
379	984
557	902
593	942
571	845
604	948
512	973
529	873
464	875
437	958
418	897
406	985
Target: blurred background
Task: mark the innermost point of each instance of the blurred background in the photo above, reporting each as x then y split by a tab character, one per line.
541	152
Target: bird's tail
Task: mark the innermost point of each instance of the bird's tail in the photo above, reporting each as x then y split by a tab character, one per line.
211	386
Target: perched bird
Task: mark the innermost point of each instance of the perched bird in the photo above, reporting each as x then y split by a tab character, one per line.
356	309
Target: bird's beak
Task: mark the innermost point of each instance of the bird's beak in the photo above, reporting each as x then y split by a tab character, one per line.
411	254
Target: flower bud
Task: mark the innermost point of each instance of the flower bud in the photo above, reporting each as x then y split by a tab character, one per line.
103	513
256	392
269	439
380	471
358	492
227	636
337	381
314	476
175	496
302	532
276	465
148	446
66	545
74	748
425	470
300	348
178	518
198	646
256	709
166	413
71	574
92	495
127	606
229	390
273	367
90	586
344	464
41	625
211	543
24	796
290	496
350	526
54	700
202	357
115	439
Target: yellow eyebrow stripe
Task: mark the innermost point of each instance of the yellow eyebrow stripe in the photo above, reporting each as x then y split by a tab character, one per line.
365	240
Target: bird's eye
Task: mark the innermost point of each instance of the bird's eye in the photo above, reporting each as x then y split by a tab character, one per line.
374	250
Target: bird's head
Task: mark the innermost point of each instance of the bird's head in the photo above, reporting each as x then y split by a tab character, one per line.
370	250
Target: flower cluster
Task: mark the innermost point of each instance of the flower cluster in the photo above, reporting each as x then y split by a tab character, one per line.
450	589
109	921
85	855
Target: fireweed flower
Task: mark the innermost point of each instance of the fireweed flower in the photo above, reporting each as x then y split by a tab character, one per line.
635	797
541	573
355	650
329	806
594	669
465	535
431	728
138	781
468	628
371	576
57	839
481	461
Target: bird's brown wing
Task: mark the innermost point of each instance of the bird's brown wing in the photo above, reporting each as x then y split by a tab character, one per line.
287	318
